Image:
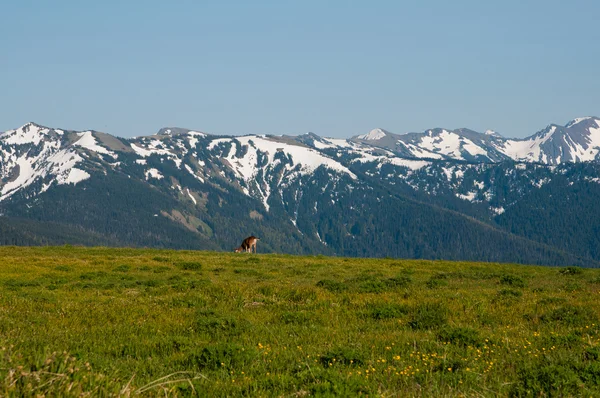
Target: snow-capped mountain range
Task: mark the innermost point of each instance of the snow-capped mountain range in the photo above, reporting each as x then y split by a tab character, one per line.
578	140
33	153
299	179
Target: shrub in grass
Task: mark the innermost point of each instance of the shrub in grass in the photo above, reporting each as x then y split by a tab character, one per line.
398	281
150	282
334	385
303	295
592	354
512	280
552	300
209	322
367	276
332	286
187	285
92	275
221	356
161	259
435	283
250	272
570	315
545	380
428	316
485	318
571	271
167	346
342	356
451	366
479	273
189	265
590	374
122	268
266	290
388	310
510	293
568	340
15	284
63	268
294	317
572	287
188	302
372	286
461	336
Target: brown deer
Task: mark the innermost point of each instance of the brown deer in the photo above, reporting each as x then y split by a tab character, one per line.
248	244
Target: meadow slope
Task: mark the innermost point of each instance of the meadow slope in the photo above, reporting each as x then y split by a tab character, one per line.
128	322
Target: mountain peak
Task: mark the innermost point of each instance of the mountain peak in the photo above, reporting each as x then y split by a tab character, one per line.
172	131
32	124
373	135
579	120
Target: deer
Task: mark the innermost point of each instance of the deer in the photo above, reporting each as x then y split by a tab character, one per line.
248	244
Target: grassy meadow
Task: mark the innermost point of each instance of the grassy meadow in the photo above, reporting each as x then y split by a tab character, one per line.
134	322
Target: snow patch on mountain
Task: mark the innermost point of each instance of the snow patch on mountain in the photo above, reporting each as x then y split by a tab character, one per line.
49	162
156	147
88	141
248	166
451	144
30	133
152	148
191	196
215	142
585	153
497	210
419	152
25	177
326	143
529	149
541	182
308	158
74	176
555	144
189	169
153	173
342	143
193	137
409	163
396	161
470	196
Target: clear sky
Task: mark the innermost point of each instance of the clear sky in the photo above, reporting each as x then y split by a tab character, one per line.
336	68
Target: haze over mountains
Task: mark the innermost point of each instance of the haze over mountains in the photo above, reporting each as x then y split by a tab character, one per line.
451	194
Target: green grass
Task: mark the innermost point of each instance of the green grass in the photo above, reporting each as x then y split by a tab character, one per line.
127	322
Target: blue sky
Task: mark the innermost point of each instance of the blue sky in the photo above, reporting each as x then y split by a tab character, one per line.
336	68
